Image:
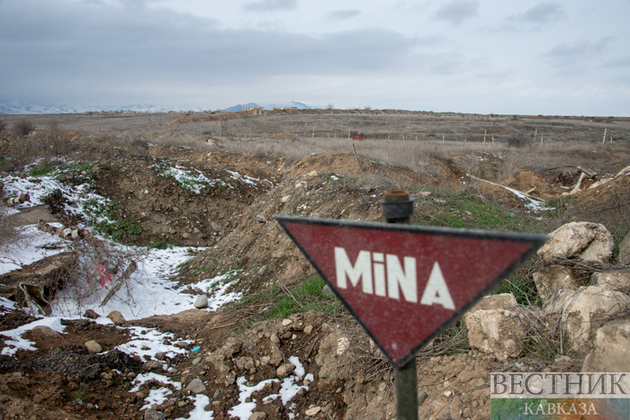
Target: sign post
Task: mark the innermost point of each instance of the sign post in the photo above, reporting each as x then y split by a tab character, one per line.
406	284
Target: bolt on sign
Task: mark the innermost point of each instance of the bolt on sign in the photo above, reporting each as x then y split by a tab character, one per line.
405	284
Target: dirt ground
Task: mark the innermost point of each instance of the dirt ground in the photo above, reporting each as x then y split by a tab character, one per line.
61	380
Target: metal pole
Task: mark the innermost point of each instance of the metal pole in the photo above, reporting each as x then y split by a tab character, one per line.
406	381
397	207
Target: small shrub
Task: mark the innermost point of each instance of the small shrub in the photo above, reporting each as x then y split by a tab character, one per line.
23	128
518	141
41	171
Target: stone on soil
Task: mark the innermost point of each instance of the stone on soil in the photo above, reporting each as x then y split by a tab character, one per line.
614	280
585	241
498	329
582	309
93	347
610	349
201	302
116	317
91	314
196	386
552	278
152	414
285	369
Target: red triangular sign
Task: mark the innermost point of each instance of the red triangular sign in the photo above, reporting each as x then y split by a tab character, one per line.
405	284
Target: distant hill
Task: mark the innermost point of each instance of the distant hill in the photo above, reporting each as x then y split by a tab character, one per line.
269	106
19	108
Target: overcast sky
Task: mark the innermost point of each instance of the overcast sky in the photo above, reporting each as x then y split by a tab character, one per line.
569	57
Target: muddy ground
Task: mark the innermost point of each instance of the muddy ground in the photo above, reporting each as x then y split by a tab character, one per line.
235	223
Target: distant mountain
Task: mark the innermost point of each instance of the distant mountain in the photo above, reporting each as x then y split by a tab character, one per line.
269	106
19	108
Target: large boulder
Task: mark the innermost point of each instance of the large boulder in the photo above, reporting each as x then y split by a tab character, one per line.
582	310
624	251
494	327
585	241
552	278
610	349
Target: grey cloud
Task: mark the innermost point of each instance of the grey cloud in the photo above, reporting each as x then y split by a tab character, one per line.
540	14
621	62
577	57
579	49
270	5
458	11
99	51
343	14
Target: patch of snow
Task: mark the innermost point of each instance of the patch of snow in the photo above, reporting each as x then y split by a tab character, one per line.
142	378
199	412
32	245
156	396
148	342
244	410
13	338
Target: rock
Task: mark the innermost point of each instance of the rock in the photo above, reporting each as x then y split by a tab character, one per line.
496	330
196	361
313	411
554	277
286	322
613	280
93	347
274	339
45	332
152	414
91	314
342	345
285	369
327	291
624	251
258	415
308	329
152	364
186	235
261	218
245	363
589	242
196	386
581	309
500	301
201	302
215	226
116	317
286	198
262	270
422	397
610	349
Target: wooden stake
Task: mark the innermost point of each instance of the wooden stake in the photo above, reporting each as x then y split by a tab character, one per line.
442	138
357	156
485	131
604	140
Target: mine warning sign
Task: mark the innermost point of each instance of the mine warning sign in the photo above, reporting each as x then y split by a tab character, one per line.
405	284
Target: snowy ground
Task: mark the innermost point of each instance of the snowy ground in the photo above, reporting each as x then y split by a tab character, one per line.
149	291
